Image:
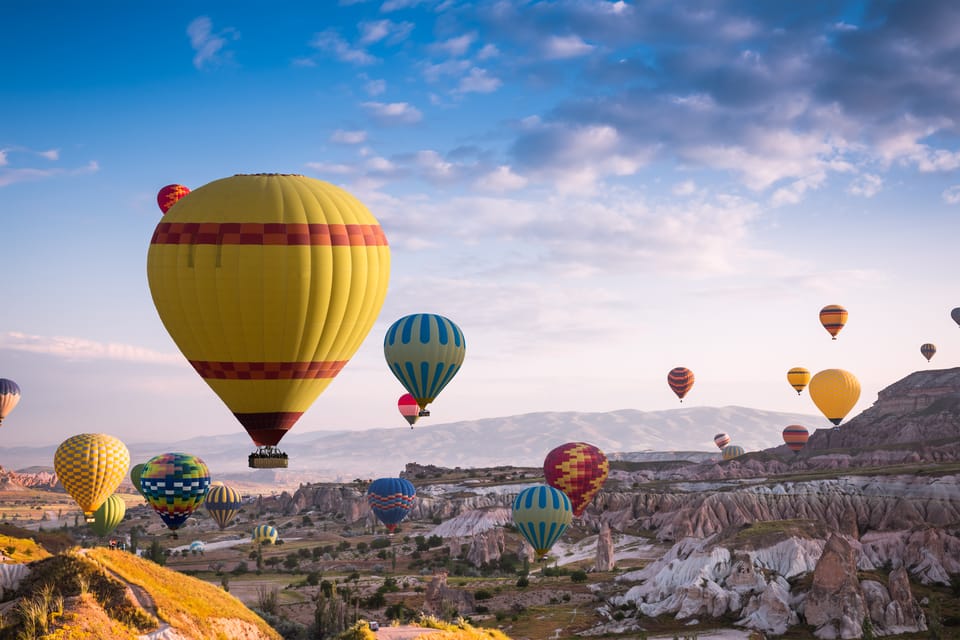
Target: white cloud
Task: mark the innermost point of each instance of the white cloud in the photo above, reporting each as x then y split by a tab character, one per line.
951	195
793	192
50	154
391	32
375	87
867	185
478	81
500	180
331	42
456	46
83	349
3	157
685	188
380	164
488	51
209	46
561	47
452	67
434	166
393	112
396	5
342	136
10	176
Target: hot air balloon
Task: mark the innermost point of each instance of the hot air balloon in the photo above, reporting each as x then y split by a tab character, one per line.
955	314
108	516
721	440
795	436
223	503
835	392
268	284
390	500
799	378
579	470
680	380
409	409
732	451
264	534
135	472
424	351
9	397
927	350
169	195
833	317
197	546
175	484
91	466
541	514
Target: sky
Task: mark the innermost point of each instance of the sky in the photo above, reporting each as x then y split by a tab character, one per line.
595	192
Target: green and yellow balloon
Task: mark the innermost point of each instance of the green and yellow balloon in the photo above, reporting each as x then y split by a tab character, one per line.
108	516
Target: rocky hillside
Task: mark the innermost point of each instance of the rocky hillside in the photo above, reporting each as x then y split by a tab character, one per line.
99	593
13	480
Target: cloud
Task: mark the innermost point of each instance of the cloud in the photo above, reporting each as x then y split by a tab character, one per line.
209	46
685	188
500	180
867	185
384	30
457	46
327	168
375	87
478	81
951	195
393	112
342	136
563	47
330	41
396	5
10	176
72	348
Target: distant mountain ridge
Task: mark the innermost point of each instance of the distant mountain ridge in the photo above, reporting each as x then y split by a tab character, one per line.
521	440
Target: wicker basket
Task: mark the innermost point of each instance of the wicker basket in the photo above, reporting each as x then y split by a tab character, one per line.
257	462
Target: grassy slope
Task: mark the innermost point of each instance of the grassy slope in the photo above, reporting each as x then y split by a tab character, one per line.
182	601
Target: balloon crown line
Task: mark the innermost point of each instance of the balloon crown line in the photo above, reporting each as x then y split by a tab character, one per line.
295	175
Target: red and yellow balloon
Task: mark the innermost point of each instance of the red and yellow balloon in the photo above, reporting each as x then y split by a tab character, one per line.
170	195
579	470
268	284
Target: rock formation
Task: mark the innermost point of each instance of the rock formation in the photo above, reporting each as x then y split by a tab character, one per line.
836	605
605	558
441	599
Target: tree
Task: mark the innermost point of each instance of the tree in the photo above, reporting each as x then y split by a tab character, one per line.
156	553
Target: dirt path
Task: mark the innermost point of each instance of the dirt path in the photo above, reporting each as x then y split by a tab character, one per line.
403	632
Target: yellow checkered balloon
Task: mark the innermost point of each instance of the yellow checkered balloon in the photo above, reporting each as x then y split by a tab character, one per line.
91	466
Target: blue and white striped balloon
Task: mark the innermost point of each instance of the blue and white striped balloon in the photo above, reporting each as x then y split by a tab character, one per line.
542	513
424	351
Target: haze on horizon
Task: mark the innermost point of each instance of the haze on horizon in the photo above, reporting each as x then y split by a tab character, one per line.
596	192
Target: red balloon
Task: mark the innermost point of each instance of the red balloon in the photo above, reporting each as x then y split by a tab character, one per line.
680	380
409	408
168	196
795	436
579	470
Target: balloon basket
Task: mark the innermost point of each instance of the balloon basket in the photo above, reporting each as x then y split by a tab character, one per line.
424	413
268	458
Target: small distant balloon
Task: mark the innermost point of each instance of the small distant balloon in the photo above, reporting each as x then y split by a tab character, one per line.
264	534
391	499
721	440
955	314
169	195
135	472
108	516
795	437
799	378
9	397
409	408
223	503
680	380
732	451
927	350
833	317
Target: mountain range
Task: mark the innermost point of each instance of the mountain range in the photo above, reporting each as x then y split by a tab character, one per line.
520	440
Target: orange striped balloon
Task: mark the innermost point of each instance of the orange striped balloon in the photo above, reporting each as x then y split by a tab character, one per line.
680	380
833	317
721	440
796	436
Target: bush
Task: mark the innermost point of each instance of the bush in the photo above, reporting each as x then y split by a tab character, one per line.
523	582
482	594
579	576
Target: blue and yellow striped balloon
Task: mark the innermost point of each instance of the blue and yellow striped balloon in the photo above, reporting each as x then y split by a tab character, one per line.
264	534
732	451
542	513
424	351
224	503
175	484
390	499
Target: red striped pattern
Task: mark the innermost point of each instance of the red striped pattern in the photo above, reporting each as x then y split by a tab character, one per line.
272	233
268	370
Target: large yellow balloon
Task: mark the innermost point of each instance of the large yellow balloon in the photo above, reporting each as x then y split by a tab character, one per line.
835	392
268	284
91	466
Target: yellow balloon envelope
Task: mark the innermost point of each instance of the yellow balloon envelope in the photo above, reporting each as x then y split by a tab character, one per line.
91	466
835	392
268	284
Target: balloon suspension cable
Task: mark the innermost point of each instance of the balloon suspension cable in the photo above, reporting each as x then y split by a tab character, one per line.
268	457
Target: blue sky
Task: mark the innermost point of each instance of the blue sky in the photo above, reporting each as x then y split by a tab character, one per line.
596	192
